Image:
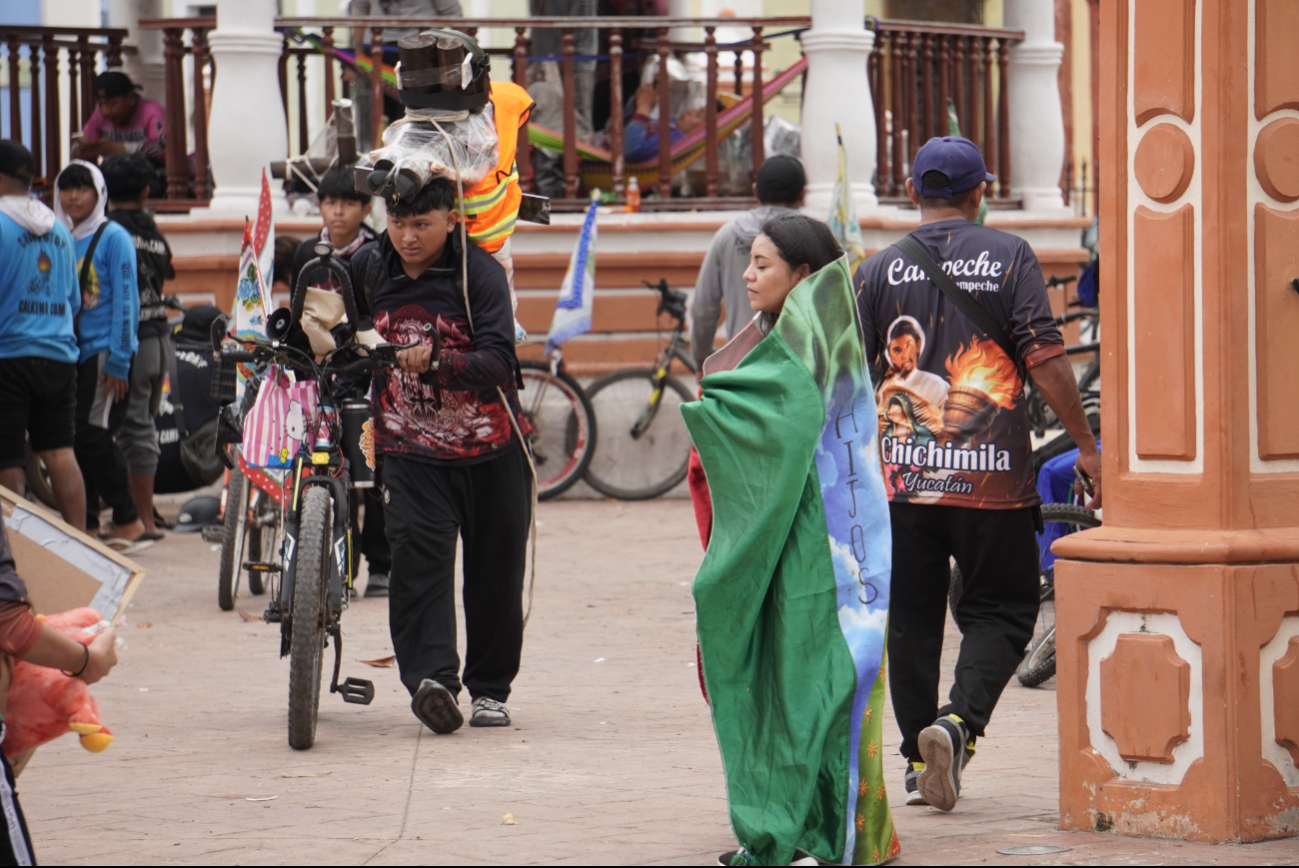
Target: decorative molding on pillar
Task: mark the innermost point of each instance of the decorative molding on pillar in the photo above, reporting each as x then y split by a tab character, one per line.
1164	59
1278	680
1165	177
1145	691
1181	752
1272	230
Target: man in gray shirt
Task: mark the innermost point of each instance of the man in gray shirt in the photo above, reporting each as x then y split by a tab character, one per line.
779	189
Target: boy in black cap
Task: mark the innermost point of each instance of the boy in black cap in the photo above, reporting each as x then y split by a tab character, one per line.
125	123
954	438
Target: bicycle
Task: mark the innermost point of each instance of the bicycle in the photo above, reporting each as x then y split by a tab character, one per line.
653	454
312	584
563	423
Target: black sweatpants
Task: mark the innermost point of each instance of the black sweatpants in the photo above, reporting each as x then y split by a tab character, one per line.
427	507
15	843
102	463
373	534
997	552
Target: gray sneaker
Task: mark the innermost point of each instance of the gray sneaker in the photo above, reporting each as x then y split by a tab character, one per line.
489	712
377	586
913	791
436	707
946	749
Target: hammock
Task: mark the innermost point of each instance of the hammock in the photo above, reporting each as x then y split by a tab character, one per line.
362	63
596	168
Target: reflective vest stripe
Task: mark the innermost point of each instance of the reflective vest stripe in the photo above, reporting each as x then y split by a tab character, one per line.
474	205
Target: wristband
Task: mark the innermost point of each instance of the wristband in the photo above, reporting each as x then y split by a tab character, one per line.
84	664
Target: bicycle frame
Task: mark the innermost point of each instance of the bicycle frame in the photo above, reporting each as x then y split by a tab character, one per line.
676	349
314	470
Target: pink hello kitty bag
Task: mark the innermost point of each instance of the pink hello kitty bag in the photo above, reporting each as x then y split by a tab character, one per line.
278	422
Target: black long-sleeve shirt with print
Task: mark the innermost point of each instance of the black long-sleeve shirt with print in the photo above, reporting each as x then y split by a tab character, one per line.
461	420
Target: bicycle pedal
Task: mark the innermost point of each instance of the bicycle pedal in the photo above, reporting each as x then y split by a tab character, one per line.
258	567
271	616
357	690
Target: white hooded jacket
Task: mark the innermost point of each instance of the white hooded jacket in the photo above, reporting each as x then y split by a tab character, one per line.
97	218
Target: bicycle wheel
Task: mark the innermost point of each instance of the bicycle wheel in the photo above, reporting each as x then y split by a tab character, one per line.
638	468
38	481
233	536
1038	665
563	427
306	654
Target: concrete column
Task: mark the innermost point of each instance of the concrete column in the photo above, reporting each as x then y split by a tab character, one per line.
1036	122
145	66
837	48
1177	628
246	128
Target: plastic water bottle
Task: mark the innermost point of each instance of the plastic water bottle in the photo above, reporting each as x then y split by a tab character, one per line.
633	196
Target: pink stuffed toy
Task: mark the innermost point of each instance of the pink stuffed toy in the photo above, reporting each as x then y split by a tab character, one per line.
44	703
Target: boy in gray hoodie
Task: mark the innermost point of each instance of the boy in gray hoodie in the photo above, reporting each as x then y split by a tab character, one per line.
779	188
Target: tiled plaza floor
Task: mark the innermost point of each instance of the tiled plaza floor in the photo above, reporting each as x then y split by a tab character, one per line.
611	759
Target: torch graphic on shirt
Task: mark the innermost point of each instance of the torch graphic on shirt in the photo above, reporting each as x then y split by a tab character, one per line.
983	381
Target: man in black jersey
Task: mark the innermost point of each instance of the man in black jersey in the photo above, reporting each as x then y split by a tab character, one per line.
954	444
453	466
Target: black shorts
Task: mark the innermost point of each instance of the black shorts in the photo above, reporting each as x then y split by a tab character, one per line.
38	398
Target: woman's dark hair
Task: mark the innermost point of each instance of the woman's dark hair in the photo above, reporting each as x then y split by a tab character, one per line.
75	176
800	241
126	176
338	184
438	194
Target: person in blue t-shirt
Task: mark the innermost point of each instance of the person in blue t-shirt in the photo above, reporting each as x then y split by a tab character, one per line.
107	339
38	347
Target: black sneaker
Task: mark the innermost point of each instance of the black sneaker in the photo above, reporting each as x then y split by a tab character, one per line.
946	748
436	707
740	857
377	586
913	791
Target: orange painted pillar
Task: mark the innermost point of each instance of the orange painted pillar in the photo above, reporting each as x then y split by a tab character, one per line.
1178	619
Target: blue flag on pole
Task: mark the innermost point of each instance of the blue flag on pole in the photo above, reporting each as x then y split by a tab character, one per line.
577	294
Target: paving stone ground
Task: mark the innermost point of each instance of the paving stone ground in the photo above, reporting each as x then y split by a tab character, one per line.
611	759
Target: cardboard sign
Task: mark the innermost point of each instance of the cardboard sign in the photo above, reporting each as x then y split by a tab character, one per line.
63	567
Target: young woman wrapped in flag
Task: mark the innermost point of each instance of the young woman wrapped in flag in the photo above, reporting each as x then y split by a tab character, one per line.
792	596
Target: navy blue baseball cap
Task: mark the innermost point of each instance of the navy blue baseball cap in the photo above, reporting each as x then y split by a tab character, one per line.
957	158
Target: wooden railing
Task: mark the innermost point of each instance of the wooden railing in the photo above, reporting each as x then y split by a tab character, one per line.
916	69
913	71
88	51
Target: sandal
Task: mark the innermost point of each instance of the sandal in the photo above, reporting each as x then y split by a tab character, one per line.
128	547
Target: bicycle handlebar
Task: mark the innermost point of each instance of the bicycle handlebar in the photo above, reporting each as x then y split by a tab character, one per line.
1060	281
672	302
324	259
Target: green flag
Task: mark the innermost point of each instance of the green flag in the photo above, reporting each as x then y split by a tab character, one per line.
792	596
954	129
843	213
